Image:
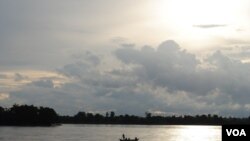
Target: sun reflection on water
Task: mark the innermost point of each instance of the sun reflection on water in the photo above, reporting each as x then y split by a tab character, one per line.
197	133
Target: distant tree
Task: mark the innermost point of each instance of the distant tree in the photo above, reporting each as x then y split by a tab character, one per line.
27	115
148	115
1	114
90	115
107	115
215	116
80	117
1	109
23	115
99	118
47	115
112	114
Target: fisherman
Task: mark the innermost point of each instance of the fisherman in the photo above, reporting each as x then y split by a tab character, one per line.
128	139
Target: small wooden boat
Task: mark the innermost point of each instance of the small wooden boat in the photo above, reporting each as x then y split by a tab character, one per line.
128	139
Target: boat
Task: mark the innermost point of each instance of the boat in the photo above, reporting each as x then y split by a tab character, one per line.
128	139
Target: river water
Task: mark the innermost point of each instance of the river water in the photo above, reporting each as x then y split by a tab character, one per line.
71	132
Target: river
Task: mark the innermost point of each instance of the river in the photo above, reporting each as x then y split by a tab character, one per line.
74	132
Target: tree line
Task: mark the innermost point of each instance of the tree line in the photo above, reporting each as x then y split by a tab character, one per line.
150	119
29	115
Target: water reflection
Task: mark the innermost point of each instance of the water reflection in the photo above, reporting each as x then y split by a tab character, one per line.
70	132
198	133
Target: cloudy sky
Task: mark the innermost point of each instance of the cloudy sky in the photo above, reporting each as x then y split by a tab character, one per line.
163	56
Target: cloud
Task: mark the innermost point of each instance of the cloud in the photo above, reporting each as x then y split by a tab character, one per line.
43	35
119	40
43	83
56	54
166	78
4	96
167	66
3	76
209	25
179	71
19	77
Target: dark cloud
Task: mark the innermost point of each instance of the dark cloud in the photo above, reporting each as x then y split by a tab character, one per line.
167	79
19	77
88	56
43	83
167	66
209	25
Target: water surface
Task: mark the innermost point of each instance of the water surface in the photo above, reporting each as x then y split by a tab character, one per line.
70	132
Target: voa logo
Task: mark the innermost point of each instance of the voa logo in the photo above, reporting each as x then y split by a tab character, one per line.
236	132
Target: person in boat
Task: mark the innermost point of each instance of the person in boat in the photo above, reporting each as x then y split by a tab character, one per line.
128	139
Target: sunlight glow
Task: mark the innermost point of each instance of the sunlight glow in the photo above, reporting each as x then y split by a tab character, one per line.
28	76
198	133
201	21
4	96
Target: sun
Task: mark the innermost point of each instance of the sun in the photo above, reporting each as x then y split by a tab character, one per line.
201	20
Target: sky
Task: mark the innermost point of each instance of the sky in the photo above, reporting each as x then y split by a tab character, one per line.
168	57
